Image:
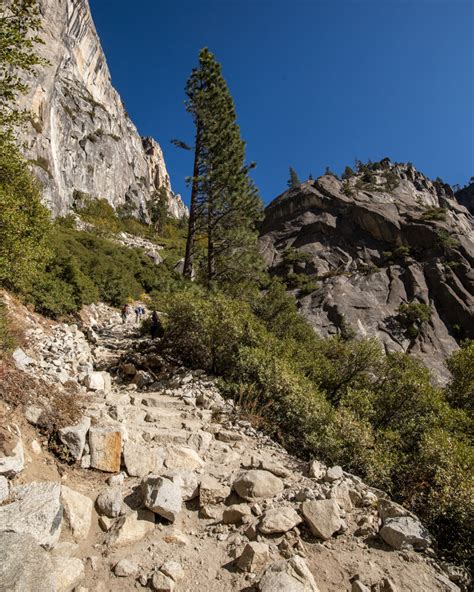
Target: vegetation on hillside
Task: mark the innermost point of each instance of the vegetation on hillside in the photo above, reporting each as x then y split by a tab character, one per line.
342	400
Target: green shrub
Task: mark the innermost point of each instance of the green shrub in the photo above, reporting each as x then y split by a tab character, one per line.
434	214
24	221
460	391
412	316
7	341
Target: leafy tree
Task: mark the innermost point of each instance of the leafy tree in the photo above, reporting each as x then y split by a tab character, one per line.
225	205
412	315
19	24
460	391
294	180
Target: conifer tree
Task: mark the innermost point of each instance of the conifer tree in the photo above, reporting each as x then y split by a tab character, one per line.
225	205
294	180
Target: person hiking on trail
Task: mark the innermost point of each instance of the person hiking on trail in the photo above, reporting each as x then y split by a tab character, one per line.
155	327
124	313
137	314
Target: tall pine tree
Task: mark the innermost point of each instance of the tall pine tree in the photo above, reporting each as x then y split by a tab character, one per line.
225	205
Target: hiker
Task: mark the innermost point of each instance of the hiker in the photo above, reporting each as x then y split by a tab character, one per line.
125	311
155	327
139	312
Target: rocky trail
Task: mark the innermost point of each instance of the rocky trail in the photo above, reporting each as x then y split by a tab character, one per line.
172	489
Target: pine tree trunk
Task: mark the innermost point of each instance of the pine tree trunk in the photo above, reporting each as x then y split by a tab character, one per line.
189	255
210	241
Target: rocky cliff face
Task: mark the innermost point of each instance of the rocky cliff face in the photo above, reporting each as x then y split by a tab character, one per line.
465	197
384	237
81	140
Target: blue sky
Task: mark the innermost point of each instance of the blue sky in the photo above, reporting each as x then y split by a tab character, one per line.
315	83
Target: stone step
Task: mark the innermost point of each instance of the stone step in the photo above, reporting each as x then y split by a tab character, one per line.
160	435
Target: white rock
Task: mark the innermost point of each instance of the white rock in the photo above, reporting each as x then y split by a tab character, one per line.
132	528
182	457
98	381
12	457
256	484
162	497
4	488
74	437
334	473
187	481
125	568
162	583
279	520
292	575
233	514
77	511
212	491
322	516
141	459
405	533
316	470
68	572
21	359
173	570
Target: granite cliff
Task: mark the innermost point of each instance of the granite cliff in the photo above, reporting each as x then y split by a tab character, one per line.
354	250
80	140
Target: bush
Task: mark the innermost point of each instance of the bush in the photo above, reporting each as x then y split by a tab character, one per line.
460	391
435	214
86	268
7	341
24	222
341	400
412	316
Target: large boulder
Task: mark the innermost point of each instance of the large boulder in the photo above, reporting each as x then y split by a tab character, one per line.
24	564
292	575
212	491
322	517
162	496
186	480
254	557
74	437
98	381
140	459
36	511
77	512
182	457
405	533
105	445
67	573
257	484
279	520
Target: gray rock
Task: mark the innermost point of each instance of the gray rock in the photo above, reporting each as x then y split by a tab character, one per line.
254	557
162	496
125	568
33	414
36	511
4	488
388	509
323	517
405	533
162	583
279	520
292	575
98	381
21	359
24	565
257	484
358	586
109	502
74	437
316	470
334	473
187	481
132	528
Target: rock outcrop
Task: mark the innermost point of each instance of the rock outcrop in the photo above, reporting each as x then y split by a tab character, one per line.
363	246
80	141
465	197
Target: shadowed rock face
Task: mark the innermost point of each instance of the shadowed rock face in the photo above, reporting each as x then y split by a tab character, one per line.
375	242
465	197
81	140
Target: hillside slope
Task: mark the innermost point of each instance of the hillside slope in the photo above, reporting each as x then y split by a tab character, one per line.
384	237
80	139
